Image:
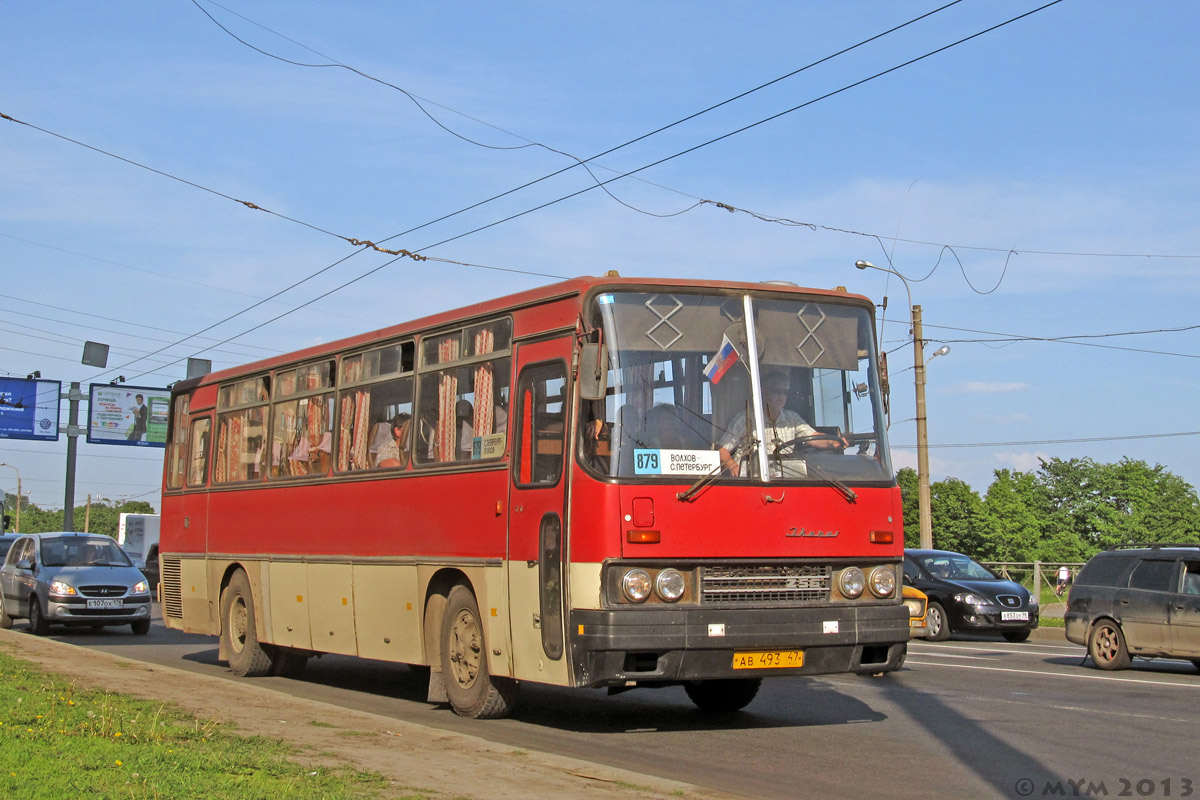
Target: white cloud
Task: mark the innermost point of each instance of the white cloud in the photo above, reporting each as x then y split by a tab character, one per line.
991	387
1022	462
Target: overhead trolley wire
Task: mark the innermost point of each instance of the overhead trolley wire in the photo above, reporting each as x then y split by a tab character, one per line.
669	158
578	161
415	254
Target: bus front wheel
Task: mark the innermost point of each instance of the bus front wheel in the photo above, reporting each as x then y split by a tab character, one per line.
470	687
247	658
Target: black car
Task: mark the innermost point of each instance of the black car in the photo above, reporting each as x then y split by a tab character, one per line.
967	597
1137	600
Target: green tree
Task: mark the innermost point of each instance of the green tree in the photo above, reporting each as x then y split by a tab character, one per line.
957	517
1124	503
907	478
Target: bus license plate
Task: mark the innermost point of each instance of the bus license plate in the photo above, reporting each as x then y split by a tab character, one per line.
92	603
1016	616
768	659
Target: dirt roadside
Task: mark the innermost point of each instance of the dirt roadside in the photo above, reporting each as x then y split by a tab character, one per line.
442	763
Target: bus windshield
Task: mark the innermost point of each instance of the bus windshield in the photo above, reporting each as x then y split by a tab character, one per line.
694	391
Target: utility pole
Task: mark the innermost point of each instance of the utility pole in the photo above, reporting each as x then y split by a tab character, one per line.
74	396
923	502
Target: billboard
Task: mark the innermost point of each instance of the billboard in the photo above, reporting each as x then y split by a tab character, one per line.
29	409
127	415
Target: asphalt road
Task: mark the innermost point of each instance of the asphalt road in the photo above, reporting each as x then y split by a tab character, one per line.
964	718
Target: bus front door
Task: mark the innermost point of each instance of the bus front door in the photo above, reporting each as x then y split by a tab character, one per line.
536	502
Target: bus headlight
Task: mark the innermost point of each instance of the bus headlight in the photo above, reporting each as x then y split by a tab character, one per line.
669	585
636	585
852	582
883	581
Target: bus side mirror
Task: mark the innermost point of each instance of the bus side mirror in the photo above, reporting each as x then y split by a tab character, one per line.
7	521
593	371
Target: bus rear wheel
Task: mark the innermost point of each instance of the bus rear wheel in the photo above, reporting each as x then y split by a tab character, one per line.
247	658
723	696
471	689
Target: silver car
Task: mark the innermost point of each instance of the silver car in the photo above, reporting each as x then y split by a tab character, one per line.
72	579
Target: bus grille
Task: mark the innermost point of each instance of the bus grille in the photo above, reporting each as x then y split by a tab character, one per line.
783	584
172	588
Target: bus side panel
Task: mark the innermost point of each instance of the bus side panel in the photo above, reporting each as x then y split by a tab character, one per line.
450	516
387	613
287	595
331	608
196	600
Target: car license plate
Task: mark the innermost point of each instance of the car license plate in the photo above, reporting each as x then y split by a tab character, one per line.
1014	616
94	603
768	659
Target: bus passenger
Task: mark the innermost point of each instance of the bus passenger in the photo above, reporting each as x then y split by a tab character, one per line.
394	453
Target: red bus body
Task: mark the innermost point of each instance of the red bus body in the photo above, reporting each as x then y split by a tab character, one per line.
278	536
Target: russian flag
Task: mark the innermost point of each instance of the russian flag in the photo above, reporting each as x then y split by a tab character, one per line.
725	358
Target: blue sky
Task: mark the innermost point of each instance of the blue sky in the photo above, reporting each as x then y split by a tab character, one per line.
1057	155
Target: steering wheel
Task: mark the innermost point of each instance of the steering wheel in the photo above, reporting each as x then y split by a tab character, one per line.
805	443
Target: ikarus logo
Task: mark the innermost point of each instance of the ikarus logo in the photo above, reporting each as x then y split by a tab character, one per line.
801	533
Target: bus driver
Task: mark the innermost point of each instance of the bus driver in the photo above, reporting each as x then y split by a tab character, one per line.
782	424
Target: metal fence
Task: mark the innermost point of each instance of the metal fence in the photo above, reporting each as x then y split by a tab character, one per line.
1035	575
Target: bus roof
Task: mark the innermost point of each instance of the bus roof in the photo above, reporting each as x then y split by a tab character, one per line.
573	286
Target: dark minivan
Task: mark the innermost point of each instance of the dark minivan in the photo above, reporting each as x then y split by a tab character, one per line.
1137	600
967	597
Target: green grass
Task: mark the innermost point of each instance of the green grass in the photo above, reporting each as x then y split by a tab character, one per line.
57	740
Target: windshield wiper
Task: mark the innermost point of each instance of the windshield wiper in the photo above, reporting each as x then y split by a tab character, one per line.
848	493
704	480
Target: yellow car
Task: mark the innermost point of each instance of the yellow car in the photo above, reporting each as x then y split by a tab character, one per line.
917	602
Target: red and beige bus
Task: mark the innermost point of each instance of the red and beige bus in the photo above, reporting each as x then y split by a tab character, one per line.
606	482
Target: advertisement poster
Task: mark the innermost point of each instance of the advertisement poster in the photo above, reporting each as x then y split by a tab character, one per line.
29	409
128	415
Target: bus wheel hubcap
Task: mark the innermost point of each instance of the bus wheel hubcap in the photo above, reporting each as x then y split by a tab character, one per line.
465	648
237	624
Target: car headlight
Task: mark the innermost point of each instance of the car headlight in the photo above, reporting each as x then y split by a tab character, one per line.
852	582
972	599
1033	601
883	581
636	585
669	585
62	589
141	587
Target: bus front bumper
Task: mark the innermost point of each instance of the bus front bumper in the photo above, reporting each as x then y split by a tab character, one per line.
661	644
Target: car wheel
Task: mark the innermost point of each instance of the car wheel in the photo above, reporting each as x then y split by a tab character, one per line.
937	627
1015	636
723	696
37	622
1106	646
6	621
471	689
141	627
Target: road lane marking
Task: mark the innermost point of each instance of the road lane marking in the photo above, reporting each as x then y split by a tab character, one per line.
1142	681
955	655
938	648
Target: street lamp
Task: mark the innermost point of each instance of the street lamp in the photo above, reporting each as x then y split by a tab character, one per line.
922	434
14	469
